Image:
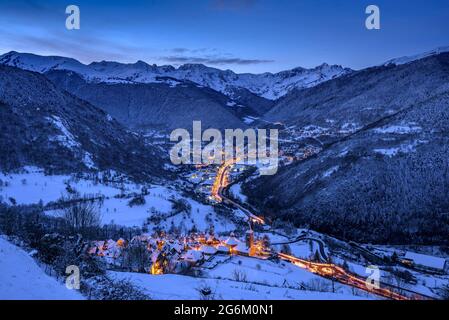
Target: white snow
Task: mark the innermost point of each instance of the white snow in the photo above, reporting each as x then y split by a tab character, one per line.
249	119
330	171
236	191
268	85
408	59
32	186
399	129
22	279
65	138
87	160
403	148
426	260
178	287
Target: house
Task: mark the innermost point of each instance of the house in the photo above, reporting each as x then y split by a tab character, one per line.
232	243
425	262
222	249
193	257
208	250
236	246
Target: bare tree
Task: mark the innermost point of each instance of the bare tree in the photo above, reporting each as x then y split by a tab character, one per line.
136	257
81	213
239	275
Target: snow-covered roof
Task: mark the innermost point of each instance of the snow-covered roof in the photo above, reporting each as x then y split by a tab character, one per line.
111	243
241	247
426	260
92	250
193	255
99	243
232	241
208	250
177	246
223	249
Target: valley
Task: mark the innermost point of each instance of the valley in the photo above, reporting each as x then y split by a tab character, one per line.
361	188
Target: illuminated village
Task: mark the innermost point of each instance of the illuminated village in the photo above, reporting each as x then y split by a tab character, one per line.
161	253
178	255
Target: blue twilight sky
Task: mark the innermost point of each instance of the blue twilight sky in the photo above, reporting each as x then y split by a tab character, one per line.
242	35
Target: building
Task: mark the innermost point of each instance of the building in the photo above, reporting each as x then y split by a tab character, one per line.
249	238
425	262
193	257
232	243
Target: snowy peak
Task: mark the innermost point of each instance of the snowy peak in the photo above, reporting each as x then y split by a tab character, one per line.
408	59
268	85
38	63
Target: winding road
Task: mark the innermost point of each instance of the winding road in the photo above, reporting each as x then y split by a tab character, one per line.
326	270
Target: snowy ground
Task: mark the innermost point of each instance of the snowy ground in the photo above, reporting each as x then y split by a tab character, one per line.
22	279
275	274
236	191
35	186
241	278
178	287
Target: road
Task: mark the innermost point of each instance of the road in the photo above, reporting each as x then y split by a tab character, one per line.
220	184
338	274
321	245
326	270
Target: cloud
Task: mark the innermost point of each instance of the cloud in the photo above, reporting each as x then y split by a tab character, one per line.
180	50
209	56
82	47
213	60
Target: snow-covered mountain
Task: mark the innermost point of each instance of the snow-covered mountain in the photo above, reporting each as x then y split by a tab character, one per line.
408	59
49	128
382	173
267	85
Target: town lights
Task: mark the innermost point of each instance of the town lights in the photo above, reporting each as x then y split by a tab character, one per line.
156	269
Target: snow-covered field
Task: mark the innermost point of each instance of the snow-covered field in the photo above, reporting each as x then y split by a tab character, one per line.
34	186
178	287
22	279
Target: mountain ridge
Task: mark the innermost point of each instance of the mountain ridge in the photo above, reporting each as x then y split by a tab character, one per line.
48	128
267	85
392	170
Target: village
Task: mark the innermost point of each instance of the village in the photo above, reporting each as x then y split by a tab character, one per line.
195	253
169	254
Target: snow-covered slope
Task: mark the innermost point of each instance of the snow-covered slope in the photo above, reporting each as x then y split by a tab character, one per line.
267	85
408	59
46	127
22	279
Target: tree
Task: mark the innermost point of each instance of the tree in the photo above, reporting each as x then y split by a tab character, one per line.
137	201
286	249
180	205
135	257
8	221
446	292
81	214
316	256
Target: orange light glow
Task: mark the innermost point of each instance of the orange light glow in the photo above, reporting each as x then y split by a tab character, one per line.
156	269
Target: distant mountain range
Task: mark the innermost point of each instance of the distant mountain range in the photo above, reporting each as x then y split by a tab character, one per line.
382	174
267	85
